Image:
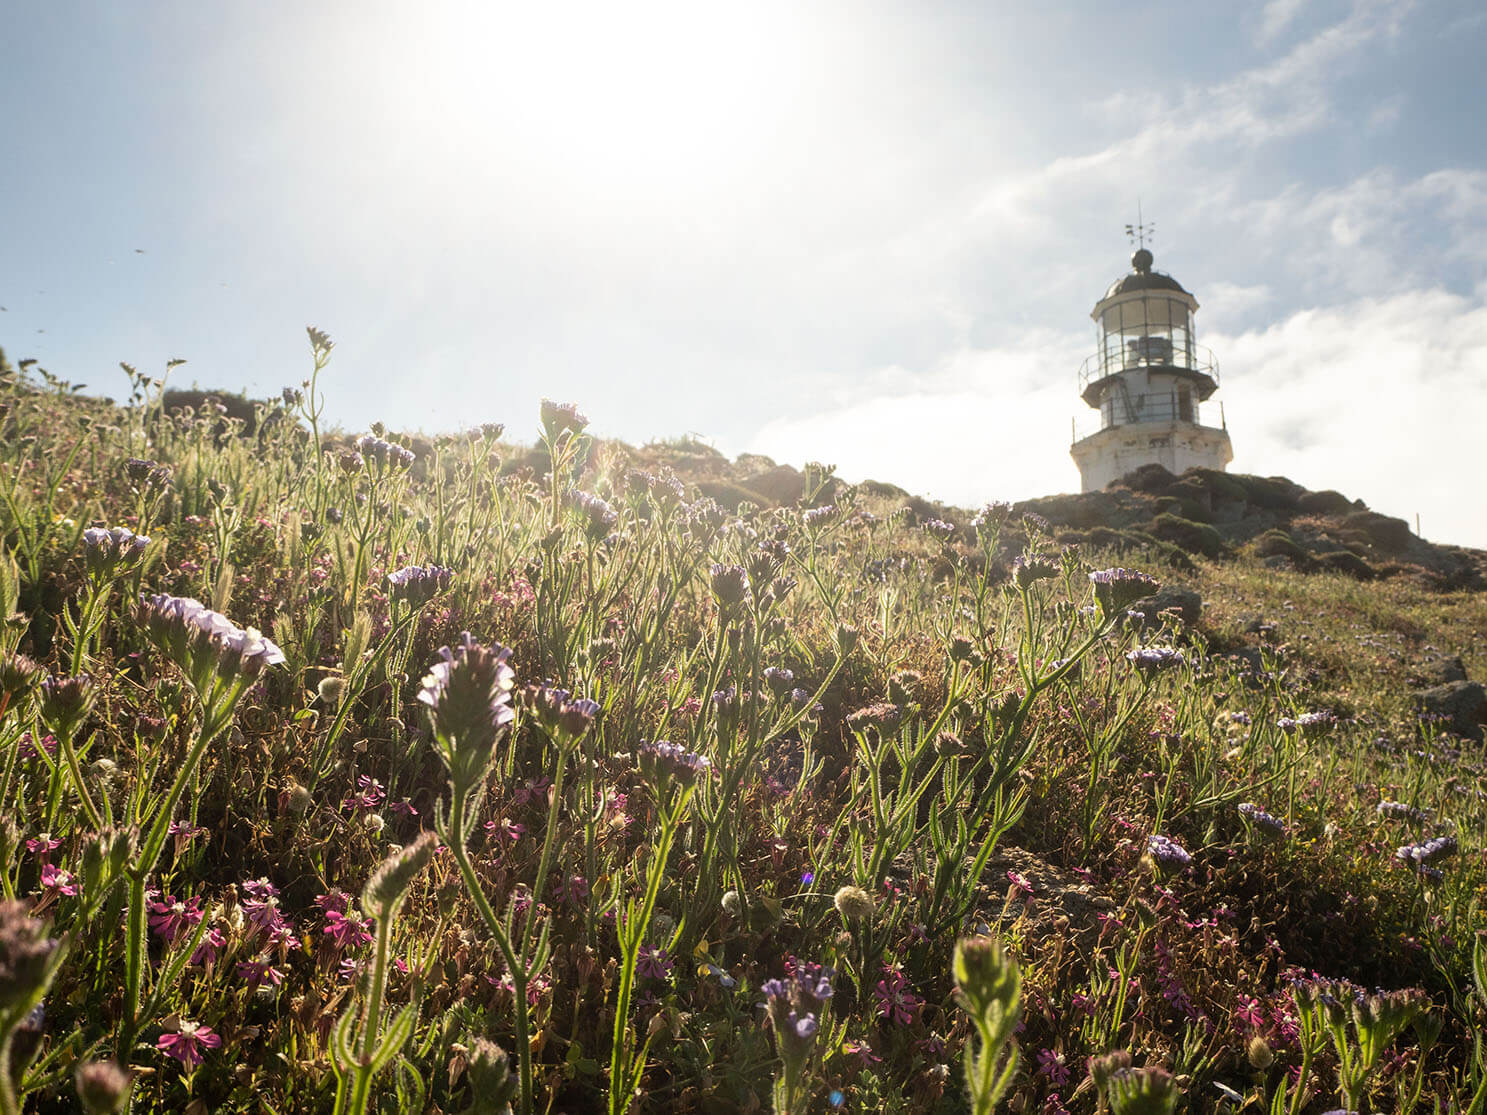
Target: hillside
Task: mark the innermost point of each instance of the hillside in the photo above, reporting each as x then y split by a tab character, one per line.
354	770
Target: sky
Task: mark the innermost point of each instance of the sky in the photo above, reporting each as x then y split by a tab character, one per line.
862	232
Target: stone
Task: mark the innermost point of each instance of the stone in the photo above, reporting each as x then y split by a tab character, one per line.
1182	600
1461	705
1438	671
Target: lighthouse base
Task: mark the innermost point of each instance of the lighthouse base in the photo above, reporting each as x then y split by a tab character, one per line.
1176	446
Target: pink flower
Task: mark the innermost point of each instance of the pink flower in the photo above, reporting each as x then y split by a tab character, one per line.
258	971
653	963
346	930
533	789
404	808
55	881
333	901
505	830
572	891
170	916
43	845
186	1044
1021	883
896	1000
369	794
212	943
1051	1064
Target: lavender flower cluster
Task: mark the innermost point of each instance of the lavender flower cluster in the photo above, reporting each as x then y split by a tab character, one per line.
599	517
1155	660
1401	811
1267	822
418	584
1308	723
1167	853
107	549
664	761
382	453
1422	857
795	1005
1117	589
558	418
192	634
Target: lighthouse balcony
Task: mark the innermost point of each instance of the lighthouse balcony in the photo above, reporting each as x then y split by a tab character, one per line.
1190	362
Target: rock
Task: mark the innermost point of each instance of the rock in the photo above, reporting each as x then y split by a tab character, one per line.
1461	705
1182	600
1438	671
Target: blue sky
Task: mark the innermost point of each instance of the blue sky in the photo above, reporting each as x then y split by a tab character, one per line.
861	232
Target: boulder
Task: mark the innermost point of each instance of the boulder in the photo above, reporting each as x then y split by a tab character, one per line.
1184	601
1461	705
1438	671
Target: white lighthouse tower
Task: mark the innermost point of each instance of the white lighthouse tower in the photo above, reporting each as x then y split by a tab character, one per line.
1146	380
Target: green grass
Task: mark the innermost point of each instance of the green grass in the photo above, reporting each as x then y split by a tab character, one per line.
910	740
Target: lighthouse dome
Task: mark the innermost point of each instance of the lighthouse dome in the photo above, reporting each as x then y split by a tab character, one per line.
1142	277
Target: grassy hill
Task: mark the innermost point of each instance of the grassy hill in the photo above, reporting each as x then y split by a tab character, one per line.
731	758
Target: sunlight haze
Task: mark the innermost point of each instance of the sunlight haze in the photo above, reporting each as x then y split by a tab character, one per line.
865	233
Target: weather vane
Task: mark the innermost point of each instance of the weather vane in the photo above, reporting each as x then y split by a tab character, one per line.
1140	232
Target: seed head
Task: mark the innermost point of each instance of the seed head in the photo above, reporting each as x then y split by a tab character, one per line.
853	904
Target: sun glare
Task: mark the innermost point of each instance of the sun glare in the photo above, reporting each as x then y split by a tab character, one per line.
641	95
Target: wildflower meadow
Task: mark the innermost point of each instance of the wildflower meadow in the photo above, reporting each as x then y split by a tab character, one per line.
363	771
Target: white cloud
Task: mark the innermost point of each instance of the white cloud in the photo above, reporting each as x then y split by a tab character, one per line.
1380	398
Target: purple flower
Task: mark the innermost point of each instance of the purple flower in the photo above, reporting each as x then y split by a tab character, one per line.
1423	857
186	1044
213	941
347	930
469	694
896	1000
664	762
572	891
653	963
1256	816
169	917
1167	853
558	418
1051	1064
1395	809
202	641
1155	660
794	1005
418	584
1117	589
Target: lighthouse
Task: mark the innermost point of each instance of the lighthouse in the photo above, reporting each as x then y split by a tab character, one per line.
1147	380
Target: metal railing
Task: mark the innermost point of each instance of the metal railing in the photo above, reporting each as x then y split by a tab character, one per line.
1147	352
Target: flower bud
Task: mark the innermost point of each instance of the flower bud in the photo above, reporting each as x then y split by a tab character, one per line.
102	1086
492	1085
25	956
989	980
66	702
1146	1091
389	884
